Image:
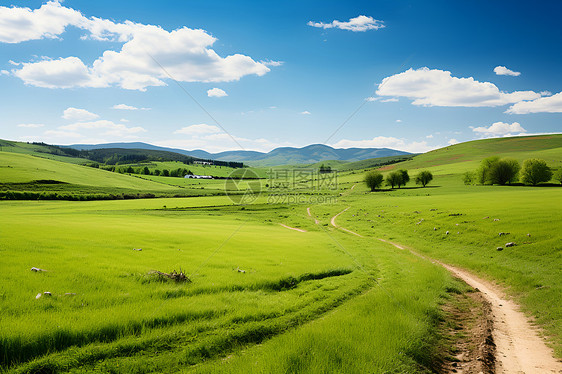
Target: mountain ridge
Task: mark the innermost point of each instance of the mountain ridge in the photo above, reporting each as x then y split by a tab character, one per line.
279	156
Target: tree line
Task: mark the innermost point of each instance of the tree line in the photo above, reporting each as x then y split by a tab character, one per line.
374	179
502	171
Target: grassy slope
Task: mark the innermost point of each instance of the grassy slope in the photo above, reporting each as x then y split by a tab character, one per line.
21	168
122	321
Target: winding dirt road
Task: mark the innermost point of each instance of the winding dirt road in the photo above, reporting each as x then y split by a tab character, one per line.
292	228
519	347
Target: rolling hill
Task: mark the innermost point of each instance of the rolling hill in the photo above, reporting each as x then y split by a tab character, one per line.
279	156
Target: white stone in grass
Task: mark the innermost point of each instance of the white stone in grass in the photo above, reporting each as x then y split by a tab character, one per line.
38	295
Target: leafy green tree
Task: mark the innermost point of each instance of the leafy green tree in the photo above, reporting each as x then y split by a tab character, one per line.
373	179
483	172
468	178
535	171
424	177
394	179
157	172
146	171
165	173
130	170
503	171
558	175
405	177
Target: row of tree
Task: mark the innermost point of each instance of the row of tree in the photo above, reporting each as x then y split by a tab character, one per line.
179	172
375	179
502	171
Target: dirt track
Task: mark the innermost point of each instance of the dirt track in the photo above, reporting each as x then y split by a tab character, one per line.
519	347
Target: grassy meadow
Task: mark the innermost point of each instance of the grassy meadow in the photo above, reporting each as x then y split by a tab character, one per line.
263	298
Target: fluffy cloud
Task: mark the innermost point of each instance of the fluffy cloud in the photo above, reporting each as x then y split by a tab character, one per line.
198	130
108	128
31	125
385	142
500	129
75	114
149	54
551	104
127	107
433	87
49	21
216	92
306	112
452	141
502	70
360	23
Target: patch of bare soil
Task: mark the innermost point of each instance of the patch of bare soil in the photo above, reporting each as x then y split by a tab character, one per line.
468	327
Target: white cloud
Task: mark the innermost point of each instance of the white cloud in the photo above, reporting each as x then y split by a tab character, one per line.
360	23
433	87
398	120
216	92
75	114
198	130
127	107
430	136
306	112
108	128
371	98
391	100
124	120
272	63
23	24
546	93
4	72
550	104
149	54
500	129
452	141
385	142
502	70
31	125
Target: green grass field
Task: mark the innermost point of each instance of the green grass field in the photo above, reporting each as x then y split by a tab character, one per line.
264	298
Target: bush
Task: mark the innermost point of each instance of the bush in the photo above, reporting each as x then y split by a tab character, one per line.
373	179
469	178
405	177
558	176
535	171
424	177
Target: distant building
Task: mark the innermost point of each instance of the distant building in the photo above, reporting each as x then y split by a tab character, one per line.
199	176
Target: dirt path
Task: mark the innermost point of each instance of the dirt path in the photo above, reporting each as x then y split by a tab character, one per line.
310	215
292	228
519	347
333	222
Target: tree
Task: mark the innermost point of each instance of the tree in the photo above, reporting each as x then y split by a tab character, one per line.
405	177
394	179
503	171
324	169
535	171
558	176
146	171
374	180
165	173
424	177
130	170
483	172
157	172
468	178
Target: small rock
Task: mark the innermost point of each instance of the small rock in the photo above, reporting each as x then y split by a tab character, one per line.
529	235
499	248
447	233
47	293
496	219
510	244
38	295
503	233
137	249
37	269
486	217
435	229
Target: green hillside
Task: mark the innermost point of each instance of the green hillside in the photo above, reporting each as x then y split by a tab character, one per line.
459	158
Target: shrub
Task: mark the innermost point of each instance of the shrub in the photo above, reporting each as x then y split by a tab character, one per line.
373	179
558	176
535	171
494	170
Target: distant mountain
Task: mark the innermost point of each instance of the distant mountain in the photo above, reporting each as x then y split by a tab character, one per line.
279	156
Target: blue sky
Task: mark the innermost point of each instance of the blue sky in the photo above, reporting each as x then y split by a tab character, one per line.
408	75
